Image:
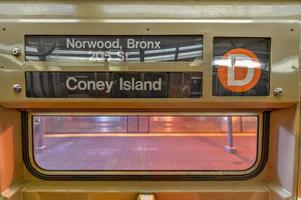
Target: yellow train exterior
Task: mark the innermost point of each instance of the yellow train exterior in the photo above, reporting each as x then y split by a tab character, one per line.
265	33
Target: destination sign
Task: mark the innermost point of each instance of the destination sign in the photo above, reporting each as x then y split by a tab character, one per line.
241	66
97	48
114	84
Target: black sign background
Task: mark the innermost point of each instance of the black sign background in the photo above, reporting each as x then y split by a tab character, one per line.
172	48
174	84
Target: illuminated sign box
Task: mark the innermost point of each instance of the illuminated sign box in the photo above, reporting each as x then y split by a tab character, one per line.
138	48
114	84
241	66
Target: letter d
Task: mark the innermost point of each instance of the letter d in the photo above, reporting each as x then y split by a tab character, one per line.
68	83
233	61
157	85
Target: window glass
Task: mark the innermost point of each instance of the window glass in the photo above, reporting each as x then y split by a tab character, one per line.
145	142
136	48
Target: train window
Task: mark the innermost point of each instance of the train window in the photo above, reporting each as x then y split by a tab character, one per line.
129	142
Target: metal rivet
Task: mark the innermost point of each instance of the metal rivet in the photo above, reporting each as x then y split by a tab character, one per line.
17	88
277	92
16	51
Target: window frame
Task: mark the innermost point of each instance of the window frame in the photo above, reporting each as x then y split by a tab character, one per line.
253	171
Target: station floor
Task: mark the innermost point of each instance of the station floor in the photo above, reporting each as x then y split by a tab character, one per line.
142	151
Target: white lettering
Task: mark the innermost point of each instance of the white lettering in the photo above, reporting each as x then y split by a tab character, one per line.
157	85
91	85
99	44
115	44
72	83
82	85
100	85
70	43
92	44
239	60
121	55
140	85
131	43
78	44
68	83
142	44
109	86
127	85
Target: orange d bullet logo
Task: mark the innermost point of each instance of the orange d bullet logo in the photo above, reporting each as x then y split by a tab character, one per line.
239	70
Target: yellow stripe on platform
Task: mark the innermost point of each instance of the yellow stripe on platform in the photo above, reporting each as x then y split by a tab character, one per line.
72	135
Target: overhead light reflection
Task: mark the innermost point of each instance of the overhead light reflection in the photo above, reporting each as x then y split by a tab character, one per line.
238	63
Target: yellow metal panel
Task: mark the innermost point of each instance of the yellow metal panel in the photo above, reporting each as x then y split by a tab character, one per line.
284	60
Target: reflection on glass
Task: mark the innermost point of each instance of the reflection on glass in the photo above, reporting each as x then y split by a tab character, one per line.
145	142
241	66
139	48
